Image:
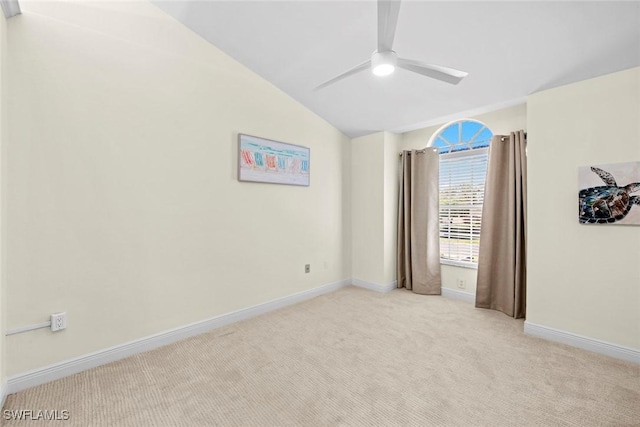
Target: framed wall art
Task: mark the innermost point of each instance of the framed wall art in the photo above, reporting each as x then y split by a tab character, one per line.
609	194
274	162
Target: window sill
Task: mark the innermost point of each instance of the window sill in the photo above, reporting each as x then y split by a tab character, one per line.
463	264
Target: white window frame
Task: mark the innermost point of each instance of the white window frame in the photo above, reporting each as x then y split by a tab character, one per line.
460	154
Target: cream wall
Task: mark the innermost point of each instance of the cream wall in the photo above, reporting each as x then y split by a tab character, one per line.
3	139
500	122
347	217
367	208
122	204
391	188
582	279
374	195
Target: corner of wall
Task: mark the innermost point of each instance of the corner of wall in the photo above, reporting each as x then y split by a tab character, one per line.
367	199
3	121
346	209
374	166
392	143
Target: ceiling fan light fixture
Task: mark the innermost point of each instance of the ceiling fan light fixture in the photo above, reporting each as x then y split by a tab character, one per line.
383	70
383	63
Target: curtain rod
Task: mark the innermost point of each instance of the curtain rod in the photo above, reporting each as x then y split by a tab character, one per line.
424	149
505	136
421	151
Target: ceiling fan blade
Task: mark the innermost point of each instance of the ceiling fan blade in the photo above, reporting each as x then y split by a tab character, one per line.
387	20
360	67
437	72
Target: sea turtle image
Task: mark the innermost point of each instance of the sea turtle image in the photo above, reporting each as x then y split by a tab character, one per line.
607	203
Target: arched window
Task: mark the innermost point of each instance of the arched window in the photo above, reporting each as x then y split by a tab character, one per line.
463	147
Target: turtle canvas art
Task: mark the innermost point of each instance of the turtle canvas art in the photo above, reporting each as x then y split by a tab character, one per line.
609	194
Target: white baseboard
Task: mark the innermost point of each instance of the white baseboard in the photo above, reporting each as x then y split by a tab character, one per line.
3	393
69	367
585	343
454	293
374	286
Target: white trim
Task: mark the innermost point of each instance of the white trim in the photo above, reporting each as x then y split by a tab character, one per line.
585	343
374	286
3	393
474	152
454	293
461	115
69	367
461	264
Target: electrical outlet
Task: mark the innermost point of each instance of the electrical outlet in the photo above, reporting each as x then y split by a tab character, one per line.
58	321
307	268
462	283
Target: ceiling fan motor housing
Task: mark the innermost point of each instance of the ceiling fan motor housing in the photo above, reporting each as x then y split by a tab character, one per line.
383	63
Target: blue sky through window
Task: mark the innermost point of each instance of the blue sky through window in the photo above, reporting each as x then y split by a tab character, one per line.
463	135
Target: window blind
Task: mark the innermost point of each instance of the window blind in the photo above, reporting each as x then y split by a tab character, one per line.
462	178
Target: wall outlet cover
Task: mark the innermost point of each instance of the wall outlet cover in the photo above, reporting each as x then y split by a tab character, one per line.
58	321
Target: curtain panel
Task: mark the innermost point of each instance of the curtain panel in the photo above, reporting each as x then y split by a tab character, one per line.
502	259
418	256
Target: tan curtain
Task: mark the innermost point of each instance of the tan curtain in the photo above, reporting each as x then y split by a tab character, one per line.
502	259
418	229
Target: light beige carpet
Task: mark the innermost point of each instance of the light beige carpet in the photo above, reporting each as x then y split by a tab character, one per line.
353	357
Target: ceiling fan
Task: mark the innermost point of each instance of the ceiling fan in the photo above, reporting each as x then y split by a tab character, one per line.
384	60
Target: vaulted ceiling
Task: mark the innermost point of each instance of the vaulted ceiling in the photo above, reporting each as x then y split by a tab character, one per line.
509	49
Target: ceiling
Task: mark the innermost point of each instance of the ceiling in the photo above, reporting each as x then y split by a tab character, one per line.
509	49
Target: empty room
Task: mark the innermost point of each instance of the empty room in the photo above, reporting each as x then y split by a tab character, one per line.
319	213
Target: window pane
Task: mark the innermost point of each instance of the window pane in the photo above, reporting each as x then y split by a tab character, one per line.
469	129
439	142
462	178
483	139
451	133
